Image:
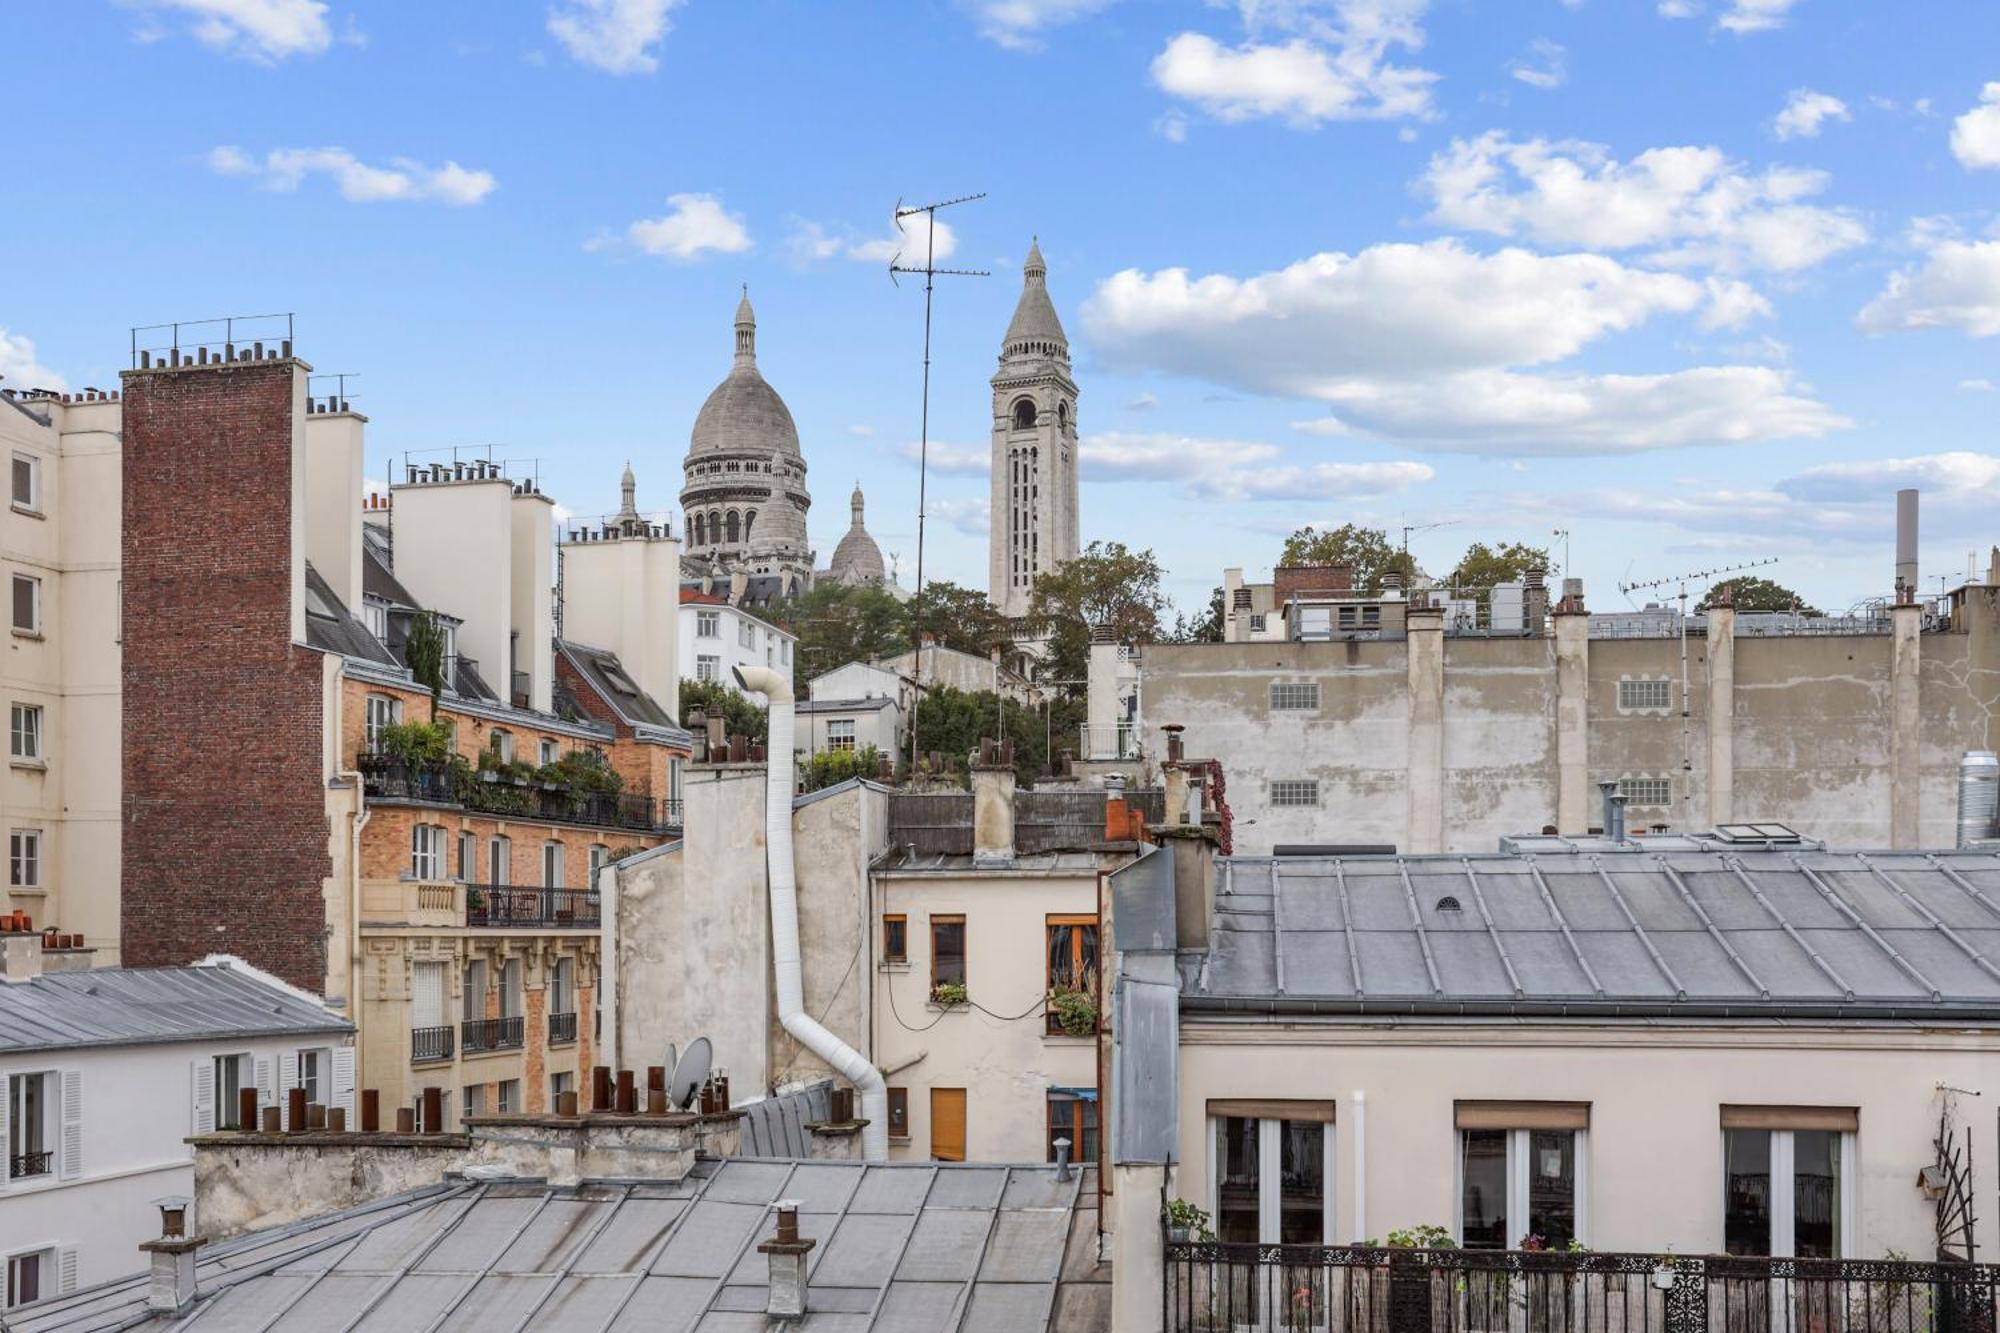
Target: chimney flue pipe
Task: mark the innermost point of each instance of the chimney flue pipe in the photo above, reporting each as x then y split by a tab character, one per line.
1906	545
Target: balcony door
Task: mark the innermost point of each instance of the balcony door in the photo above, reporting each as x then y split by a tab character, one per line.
948	1124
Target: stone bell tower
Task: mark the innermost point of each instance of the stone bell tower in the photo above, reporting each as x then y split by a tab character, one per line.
1034	447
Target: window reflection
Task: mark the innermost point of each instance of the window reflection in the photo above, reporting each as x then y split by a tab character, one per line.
1552	1187
1816	1194
1746	1204
1236	1190
1302	1183
1484	1171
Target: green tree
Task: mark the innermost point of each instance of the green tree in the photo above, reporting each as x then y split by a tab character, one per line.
1482	566
1755	594
831	767
953	722
838	623
1366	550
1106	585
958	617
1204	628
739	715
423	653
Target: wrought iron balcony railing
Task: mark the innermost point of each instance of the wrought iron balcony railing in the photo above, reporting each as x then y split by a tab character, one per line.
429	1044
514	905
386	779
23	1165
562	1028
491	1034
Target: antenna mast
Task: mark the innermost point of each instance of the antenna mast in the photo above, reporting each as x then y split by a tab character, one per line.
1699	577
931	272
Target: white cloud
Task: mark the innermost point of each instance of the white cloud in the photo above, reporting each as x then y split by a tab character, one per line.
1976	386
860	429
616	36
1754	15
1235	470
810	242
1545	66
1951	477
1322	426
1172	126
19	368
972	515
961	460
1425	343
1805	112
1020	25
1333	64
1732	304
265	31
1975	136
1145	402
1679	9
694	225
402	181
1957	286
1686	206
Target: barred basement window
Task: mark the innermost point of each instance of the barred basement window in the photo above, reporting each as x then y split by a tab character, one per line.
1645	694
1294	697
1647	791
1303	791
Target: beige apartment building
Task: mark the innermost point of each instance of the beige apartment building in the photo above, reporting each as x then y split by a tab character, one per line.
60	677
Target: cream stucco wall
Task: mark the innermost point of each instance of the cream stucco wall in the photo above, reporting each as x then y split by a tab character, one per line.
454	552
1654	1167
71	669
334	456
620	593
998	1052
531	595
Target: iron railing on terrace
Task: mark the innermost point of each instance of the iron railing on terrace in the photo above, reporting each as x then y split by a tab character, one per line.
23	1165
940	823
562	1028
515	905
385	779
1236	1288
491	1034
429	1044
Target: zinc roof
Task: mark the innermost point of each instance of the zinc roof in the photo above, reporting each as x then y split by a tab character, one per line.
120	1006
1760	934
901	1247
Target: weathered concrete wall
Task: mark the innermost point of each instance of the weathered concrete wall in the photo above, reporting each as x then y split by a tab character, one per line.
1806	735
835	834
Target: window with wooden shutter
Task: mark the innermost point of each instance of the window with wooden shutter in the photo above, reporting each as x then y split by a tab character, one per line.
72	1124
202	1116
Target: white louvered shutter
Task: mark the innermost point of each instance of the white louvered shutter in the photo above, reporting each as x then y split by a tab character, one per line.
204	1096
72	1125
343	1082
6	1099
288	1078
66	1265
267	1091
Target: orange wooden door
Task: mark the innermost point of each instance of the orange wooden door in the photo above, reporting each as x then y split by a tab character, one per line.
948	1124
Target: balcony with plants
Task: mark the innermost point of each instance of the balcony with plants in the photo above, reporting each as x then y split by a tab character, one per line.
413	761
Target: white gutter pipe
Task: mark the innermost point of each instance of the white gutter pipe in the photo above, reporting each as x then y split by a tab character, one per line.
785	962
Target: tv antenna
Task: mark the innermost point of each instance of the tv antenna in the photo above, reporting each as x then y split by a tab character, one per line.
1409	528
1698	578
931	273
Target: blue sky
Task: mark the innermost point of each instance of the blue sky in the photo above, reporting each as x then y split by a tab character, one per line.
1698	280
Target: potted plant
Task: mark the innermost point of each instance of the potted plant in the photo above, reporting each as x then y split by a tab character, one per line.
1187	1222
949	993
1663	1272
1075	1011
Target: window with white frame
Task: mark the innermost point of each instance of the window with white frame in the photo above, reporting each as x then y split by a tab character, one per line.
1640	695
1521	1174
1272	1171
27	604
599	856
24	858
840	733
232	1074
785	651
30	1125
510	988
708	624
314	1069
707	668
1294	696
507	1098
746	634
1788	1180
499	860
552	865
427	851
1647	791
1295	791
468	856
551	751
25	732
376	617
382	710
30	1277
501	742
27	482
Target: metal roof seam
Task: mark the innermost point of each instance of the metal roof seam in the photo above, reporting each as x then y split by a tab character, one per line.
1277	931
1417	920
1492	931
1576	950
1736	868
722	1282
1936	921
422	1253
903	1250
1680	991
1964	884
1687	897
1347	926
1826	891
962	1306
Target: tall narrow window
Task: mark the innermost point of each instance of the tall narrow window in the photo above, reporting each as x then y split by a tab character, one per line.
381	710
1520	1174
499	861
1073	1116
899	1114
552	865
947	952
27	604
232	1074
24	858
895	938
468	857
25	732
30	1140
427	851
27	482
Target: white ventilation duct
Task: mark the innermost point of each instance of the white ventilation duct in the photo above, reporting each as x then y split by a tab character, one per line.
848	1062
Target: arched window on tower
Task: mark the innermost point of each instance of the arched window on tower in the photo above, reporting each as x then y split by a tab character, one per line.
1062	415
1024	414
699	528
730	526
749	523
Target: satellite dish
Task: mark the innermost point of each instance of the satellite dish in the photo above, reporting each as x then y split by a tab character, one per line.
689	1074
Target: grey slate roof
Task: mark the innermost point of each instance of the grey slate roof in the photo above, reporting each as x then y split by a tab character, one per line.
121	1006
1763	934
332	628
901	1247
608	677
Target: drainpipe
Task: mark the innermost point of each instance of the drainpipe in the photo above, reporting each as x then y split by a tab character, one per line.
850	1063
358	819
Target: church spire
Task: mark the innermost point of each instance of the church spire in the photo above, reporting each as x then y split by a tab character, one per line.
1035	330
746	330
628	491
855	503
